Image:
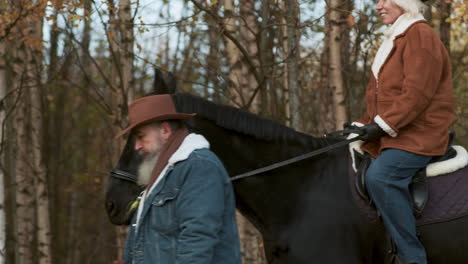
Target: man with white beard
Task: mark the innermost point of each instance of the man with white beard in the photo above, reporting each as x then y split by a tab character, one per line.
187	211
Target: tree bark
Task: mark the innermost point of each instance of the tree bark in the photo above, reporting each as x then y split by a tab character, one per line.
121	42
241	88
292	62
336	68
24	183
213	58
3	89
40	177
251	242
324	101
33	128
248	36
445	26
43	254
269	101
127	40
233	56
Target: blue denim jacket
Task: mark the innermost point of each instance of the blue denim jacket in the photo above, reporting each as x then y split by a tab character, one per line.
189	217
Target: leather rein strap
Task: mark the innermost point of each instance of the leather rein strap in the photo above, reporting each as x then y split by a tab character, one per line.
120	174
301	157
116	173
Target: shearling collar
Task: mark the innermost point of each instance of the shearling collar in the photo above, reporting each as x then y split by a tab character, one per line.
191	142
398	28
401	25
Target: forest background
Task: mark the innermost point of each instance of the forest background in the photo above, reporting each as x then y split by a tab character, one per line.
69	68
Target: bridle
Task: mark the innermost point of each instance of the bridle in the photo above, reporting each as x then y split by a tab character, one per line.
123	175
119	174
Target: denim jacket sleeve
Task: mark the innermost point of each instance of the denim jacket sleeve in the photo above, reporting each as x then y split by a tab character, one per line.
200	210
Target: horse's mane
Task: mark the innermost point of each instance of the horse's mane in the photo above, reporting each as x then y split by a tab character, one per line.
241	121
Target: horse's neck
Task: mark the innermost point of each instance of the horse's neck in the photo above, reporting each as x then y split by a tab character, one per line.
261	197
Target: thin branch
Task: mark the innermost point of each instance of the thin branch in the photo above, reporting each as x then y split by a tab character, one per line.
234	40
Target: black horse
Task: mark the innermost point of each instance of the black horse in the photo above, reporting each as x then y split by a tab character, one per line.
305	211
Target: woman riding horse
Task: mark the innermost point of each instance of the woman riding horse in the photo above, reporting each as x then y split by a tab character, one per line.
409	110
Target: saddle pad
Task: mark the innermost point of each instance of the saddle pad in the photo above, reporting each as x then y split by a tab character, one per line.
448	198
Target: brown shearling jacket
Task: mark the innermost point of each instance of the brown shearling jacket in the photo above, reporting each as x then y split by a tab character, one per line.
413	94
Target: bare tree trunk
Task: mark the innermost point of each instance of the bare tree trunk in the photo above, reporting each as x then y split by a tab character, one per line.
292	61
40	179
248	35
269	104
24	183
213	64
31	194
186	70
242	85
324	98
43	255
54	150
115	92
3	89
233	56
127	40
285	46
336	69
252	248
121	41
445	26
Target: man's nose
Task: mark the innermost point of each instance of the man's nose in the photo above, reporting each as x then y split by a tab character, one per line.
138	145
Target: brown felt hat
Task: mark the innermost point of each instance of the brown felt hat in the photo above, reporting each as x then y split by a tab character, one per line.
152	108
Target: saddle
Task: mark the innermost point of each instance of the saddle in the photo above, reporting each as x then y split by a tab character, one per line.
418	188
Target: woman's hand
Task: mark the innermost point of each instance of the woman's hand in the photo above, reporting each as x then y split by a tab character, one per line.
371	132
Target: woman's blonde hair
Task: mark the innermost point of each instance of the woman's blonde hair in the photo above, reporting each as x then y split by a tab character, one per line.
412	7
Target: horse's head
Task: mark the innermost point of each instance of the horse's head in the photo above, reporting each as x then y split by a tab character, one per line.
123	190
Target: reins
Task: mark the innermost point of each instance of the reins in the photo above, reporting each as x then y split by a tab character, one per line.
116	173
123	175
303	156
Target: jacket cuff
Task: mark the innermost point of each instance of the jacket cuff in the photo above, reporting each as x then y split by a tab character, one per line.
358	124
382	124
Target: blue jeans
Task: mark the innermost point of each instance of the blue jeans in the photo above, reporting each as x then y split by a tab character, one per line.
388	179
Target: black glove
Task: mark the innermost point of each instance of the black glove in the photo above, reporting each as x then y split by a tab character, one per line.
371	132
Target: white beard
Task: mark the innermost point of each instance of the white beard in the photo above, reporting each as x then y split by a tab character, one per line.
145	169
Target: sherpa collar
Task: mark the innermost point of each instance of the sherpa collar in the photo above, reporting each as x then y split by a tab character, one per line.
399	27
191	143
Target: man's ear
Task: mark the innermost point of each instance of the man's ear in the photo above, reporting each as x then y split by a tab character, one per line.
166	130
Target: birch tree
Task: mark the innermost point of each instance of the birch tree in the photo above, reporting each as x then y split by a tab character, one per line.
32	204
39	172
24	184
34	66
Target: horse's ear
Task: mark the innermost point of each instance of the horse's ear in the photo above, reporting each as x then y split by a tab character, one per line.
163	83
171	83
159	84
